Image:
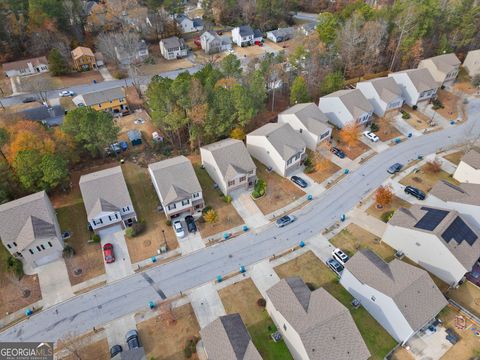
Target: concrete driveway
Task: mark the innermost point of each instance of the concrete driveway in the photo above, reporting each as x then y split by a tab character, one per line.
206	304
54	283
190	242
378	146
405	127
117	329
248	210
122	265
263	276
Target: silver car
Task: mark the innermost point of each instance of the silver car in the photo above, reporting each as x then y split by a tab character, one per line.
285	220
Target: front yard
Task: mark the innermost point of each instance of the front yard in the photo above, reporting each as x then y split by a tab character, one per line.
450	104
242	298
424	180
352	151
312	270
50	82
97	350
455	157
417	120
386	130
322	167
394	205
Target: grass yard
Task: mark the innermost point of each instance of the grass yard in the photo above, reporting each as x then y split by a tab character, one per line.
98	350
467	295
354	237
165	341
387	131
242	298
280	191
417	120
145	202
394	205
59	82
323	169
424	180
312	270
450	104
455	157
87	262
352	151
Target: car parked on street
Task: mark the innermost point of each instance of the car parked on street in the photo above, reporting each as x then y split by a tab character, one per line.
190	221
29	99
131	338
394	168
285	220
338	152
299	181
108	253
177	226
371	136
115	350
66	93
419	194
335	266
340	256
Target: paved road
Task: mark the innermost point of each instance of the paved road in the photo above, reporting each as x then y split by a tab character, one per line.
130	294
306	16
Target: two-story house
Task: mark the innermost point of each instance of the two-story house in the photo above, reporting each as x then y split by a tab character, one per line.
383	93
229	164
346	106
177	186
468	170
26	67
107	200
444	68
442	241
401	297
277	146
187	25
110	100
472	62
314	324
417	85
173	48
29	230
243	35
83	59
309	121
213	43
134	55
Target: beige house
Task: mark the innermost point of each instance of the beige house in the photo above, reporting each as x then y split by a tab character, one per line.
227	338
29	230
314	324
277	146
440	240
444	68
229	164
468	171
472	62
177	186
83	59
383	93
417	85
26	67
309	121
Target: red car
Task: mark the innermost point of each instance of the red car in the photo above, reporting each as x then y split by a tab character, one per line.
108	253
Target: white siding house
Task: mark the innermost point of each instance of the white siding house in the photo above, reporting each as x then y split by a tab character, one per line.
187	25
173	48
444	68
468	171
26	67
417	85
472	62
243	35
213	43
384	94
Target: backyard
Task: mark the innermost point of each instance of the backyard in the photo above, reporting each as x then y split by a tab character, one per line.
242	298
467	295
127	123
322	168
352	151
312	270
424	180
396	203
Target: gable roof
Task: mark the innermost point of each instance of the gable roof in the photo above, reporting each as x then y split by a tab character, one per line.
472	62
175	178
99	97
310	116
81	51
324	325
245	30
355	102
465	193
472	158
386	88
52	115
283	32
444	63
27	219
458	234
173	42
23	64
227	338
421	78
283	138
104	191
211	35
231	157
411	288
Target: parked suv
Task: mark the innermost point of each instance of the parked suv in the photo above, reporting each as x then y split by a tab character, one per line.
190	221
419	194
131	338
340	256
299	181
335	266
115	350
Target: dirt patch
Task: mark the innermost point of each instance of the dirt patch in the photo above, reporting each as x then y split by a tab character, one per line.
386	129
417	120
130	122
450	104
161	64
402	354
455	157
396	203
269	114
97	350
466	87
352	151
323	168
424	180
249	51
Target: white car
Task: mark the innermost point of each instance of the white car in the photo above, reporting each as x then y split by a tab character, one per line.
66	93
340	256
177	226
371	136
157	137
139	121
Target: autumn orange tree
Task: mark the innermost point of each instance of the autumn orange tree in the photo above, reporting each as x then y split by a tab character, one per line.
433	166
350	133
384	195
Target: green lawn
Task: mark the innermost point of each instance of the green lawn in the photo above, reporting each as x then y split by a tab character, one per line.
270	350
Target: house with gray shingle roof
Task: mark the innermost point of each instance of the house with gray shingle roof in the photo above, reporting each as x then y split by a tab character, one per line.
383	93
443	241
444	68
173	48
229	165
468	170
213	43
177	186
281	34
417	85
401	297
472	62
29	230
346	106
106	198
314	324
277	146
309	121
227	338
112	100
243	35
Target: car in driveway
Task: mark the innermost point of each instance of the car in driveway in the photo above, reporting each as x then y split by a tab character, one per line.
340	256
371	136
285	220
335	266
338	152
178	228
190	221
29	99
299	181
419	194
66	93
108	253
394	168
131	338
115	350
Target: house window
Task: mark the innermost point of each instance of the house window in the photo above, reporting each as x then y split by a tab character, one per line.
250	172
50	244
109	218
243	178
301	131
38	248
284	327
31	251
94	223
14	244
101	221
373	298
231	183
9	246
116	216
185	202
43	247
172	206
324	135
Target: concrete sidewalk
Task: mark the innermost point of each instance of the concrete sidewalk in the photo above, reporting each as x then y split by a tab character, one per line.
206	304
369	223
54	283
248	210
263	276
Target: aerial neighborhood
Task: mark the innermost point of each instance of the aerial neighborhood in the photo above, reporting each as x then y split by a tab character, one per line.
233	180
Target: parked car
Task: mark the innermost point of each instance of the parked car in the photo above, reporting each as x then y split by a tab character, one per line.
419	194
139	121
394	168
338	152
66	93
259	43
285	220
335	266
131	338
177	226
29	99
190	221
115	350
340	256
299	181
371	136
108	253
157	137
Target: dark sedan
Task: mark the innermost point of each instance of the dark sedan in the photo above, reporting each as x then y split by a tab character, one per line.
394	168
299	181
419	194
338	152
190	221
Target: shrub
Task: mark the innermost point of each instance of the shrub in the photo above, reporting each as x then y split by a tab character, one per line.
228	199
130	232
96	238
437	104
168	222
386	216
14	266
190	347
68	251
262	302
414	107
405	115
310	286
374	127
206	209
210	216
119	75
139	227
433	167
259	189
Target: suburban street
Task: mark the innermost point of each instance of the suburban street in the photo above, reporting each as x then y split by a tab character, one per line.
130	294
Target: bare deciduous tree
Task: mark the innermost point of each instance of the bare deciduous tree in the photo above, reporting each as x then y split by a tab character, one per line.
351	42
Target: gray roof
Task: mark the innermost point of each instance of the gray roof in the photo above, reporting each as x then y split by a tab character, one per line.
283	32
463	243
422	79
245	30
227	338
53	115
355	102
472	158
101	96
324	325
27	219
444	63
308	27
211	35
173	42
465	193
134	134
411	288
283	138
386	88
231	157
104	191
310	116
175	178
